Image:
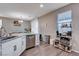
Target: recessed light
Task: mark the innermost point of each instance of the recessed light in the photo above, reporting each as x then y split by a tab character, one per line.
41	5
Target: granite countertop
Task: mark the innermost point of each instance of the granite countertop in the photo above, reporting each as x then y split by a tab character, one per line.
7	40
21	34
18	35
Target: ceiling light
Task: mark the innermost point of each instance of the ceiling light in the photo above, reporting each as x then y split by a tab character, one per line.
41	5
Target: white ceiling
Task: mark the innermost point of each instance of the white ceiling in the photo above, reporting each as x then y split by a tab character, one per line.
27	11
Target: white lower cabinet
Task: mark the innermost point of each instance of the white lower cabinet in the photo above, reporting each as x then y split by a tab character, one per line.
8	48
23	44
14	47
17	47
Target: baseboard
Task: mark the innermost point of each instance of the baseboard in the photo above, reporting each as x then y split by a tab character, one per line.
75	51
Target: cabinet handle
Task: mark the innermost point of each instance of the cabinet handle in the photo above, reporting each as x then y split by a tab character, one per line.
15	47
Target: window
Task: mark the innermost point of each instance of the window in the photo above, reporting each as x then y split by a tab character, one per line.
64	21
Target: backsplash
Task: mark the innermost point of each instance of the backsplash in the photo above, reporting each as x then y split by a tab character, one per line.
9	26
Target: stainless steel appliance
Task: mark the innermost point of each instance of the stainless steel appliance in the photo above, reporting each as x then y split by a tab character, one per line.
30	41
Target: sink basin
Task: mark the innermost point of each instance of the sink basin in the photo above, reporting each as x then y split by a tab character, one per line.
5	38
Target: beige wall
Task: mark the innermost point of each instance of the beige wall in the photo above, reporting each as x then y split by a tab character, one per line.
47	25
9	26
50	20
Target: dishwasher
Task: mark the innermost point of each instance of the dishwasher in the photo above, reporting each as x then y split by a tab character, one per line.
30	41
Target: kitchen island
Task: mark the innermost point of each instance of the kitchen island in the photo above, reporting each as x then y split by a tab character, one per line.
16	45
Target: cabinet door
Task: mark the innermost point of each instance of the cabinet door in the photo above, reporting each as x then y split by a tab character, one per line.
23	43
8	48
17	47
20	45
12	48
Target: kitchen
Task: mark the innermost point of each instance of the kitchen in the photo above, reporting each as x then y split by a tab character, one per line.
38	29
17	34
17	40
20	31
